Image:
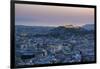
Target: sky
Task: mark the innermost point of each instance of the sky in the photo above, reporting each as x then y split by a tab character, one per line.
44	15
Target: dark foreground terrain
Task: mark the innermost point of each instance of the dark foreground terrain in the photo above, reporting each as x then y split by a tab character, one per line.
50	45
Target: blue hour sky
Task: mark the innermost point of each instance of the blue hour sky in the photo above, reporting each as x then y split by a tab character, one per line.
41	15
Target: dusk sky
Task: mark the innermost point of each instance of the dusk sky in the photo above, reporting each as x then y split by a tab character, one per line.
43	15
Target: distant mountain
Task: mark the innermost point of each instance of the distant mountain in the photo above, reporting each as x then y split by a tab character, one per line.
33	29
60	31
64	29
67	31
88	26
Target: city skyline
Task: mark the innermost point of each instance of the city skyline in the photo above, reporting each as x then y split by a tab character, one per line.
43	15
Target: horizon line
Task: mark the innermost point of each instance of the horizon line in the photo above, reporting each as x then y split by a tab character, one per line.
53	25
